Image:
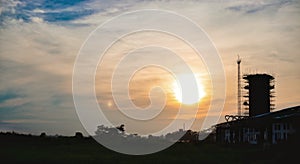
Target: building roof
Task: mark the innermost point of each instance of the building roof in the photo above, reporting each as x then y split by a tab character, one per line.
286	113
250	76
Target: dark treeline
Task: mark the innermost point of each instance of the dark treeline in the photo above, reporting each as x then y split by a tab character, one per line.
43	148
187	136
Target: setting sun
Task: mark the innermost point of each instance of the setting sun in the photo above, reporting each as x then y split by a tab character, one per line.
193	93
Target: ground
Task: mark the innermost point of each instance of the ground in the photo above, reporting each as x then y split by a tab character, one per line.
36	149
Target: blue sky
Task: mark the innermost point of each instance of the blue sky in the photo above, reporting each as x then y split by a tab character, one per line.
39	41
50	11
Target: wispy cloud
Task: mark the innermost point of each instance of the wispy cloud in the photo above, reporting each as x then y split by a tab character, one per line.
39	41
252	7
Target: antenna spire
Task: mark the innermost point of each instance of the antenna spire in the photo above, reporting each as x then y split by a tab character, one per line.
239	96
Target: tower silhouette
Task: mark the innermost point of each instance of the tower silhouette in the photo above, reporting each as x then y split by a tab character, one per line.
239	97
259	93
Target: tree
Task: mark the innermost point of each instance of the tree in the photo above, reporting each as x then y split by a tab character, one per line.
43	134
78	135
121	128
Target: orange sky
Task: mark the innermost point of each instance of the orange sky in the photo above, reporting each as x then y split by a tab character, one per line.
39	44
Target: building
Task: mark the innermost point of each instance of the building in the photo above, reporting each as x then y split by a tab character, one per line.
269	128
259	93
261	126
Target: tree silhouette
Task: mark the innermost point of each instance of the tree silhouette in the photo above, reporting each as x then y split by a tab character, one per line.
43	134
121	128
78	135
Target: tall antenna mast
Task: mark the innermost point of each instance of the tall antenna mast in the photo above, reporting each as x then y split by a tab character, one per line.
239	96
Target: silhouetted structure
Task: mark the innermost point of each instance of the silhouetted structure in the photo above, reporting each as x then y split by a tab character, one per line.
261	126
239	97
259	93
269	128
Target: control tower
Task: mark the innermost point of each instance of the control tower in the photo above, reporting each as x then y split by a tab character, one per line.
259	93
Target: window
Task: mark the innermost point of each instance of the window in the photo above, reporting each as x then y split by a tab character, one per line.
280	131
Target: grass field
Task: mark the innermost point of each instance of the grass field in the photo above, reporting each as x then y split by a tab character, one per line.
35	149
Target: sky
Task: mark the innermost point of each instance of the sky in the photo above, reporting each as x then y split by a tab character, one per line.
40	40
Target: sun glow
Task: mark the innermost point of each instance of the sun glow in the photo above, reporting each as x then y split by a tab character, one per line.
192	88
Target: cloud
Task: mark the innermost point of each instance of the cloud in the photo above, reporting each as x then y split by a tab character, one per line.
39	42
8	94
36	63
50	11
256	6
